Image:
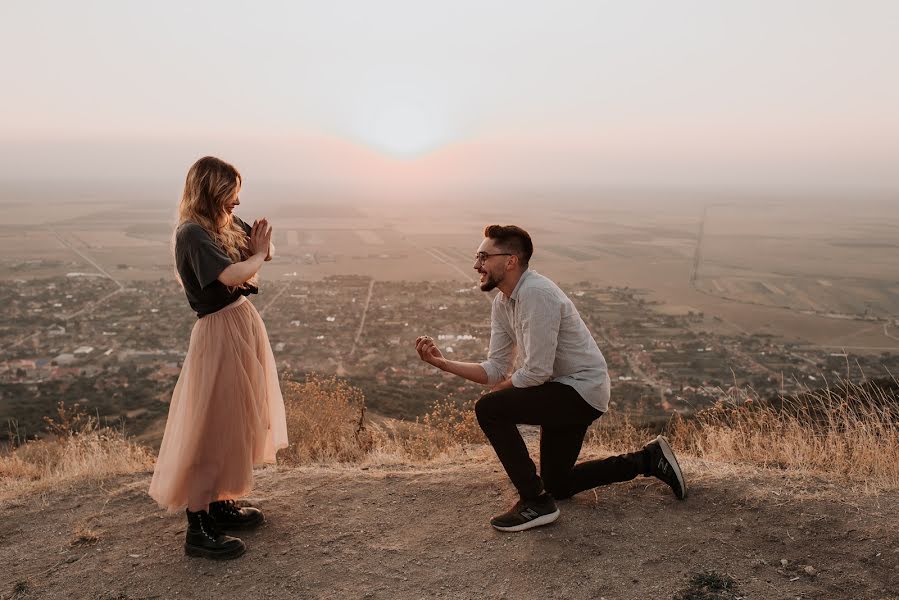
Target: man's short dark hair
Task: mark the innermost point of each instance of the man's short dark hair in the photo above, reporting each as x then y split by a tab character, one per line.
513	239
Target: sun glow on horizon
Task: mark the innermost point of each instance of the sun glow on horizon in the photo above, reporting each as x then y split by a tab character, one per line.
403	130
401	122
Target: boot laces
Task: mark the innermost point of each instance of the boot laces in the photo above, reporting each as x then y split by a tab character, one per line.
230	507
207	527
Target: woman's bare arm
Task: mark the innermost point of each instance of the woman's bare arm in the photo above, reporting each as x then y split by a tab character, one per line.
236	274
260	245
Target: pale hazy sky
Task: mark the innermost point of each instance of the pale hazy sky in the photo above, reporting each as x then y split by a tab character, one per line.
731	93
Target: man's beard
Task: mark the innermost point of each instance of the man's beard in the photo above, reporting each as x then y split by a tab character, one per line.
490	284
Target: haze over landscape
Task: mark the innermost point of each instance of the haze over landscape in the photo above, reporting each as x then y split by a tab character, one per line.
715	186
400	95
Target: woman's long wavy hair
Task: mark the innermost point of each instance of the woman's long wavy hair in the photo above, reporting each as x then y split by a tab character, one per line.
209	186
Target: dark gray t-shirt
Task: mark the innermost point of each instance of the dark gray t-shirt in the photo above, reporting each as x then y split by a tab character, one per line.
200	261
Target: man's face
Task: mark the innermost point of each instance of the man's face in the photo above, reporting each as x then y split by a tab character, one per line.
493	268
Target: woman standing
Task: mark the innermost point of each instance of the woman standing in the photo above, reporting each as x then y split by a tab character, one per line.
227	413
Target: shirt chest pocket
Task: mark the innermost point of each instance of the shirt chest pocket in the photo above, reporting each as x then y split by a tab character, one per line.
518	335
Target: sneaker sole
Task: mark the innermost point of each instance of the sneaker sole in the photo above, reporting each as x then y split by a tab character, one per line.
669	456
201	553
542	520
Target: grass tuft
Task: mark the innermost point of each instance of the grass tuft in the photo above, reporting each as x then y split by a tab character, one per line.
84	536
709	585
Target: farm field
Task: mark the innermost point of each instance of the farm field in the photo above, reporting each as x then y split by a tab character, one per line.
797	270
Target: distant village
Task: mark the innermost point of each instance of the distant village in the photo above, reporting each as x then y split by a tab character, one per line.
117	350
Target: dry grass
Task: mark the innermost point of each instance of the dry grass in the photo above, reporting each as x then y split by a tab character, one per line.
848	430
78	448
448	429
615	433
84	536
325	422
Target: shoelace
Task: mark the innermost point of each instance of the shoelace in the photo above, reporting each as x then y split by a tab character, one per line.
230	507
207	527
209	534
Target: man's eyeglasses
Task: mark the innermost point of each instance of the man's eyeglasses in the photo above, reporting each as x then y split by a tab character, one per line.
481	257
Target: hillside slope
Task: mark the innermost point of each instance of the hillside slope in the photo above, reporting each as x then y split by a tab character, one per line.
413	532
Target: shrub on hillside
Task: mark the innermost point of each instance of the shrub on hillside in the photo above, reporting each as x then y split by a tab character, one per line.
325	421
448	425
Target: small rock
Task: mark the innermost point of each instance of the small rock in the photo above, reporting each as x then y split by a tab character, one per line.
810	570
784	562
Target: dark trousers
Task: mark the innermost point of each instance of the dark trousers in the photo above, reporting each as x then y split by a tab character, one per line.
563	416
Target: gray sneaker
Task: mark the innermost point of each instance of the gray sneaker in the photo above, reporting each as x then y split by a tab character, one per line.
663	465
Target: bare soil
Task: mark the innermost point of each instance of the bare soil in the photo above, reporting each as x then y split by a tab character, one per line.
414	532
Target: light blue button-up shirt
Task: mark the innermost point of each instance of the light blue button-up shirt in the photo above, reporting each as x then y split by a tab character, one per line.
540	327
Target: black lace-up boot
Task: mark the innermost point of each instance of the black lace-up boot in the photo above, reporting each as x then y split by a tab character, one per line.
228	515
204	539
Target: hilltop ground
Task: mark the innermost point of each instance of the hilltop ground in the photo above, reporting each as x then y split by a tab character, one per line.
404	532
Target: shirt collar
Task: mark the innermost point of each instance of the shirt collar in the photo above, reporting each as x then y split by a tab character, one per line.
514	295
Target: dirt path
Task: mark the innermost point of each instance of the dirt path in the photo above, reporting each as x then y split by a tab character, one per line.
394	533
371	289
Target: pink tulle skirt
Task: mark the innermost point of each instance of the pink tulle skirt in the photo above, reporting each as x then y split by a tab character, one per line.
226	415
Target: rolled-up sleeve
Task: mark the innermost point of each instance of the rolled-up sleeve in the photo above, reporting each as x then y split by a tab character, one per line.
502	347
539	316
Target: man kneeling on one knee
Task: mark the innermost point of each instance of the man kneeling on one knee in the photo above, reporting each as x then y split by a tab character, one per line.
562	386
